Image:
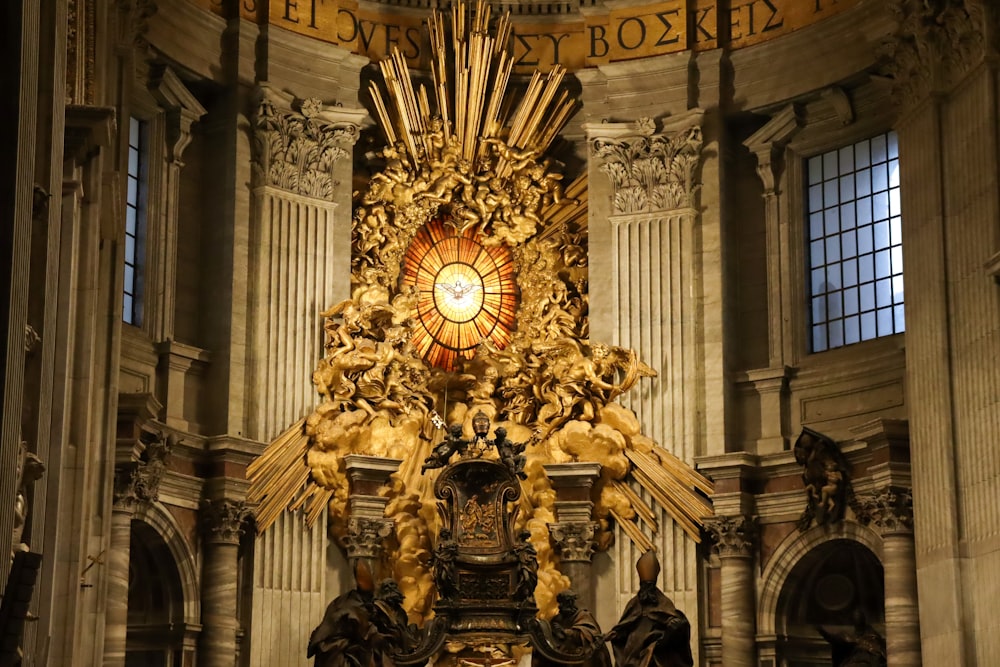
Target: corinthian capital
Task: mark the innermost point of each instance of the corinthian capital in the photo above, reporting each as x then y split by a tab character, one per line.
225	520
365	536
296	149
936	42
733	535
652	171
890	510
574	539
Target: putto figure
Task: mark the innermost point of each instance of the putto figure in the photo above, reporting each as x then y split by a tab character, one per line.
652	632
825	476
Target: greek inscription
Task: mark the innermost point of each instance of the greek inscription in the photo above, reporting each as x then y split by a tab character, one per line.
522	61
597	33
755	17
701	32
665	39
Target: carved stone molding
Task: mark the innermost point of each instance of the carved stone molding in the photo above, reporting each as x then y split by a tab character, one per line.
575	540
31	339
295	150
935	44
181	107
140	483
890	510
135	23
81	51
651	172
733	536
768	145
225	520
365	536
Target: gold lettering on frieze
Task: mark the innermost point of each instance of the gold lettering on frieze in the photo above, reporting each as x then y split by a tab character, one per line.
575	42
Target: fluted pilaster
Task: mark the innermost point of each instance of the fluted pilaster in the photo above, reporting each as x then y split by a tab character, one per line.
943	64
656	306
300	256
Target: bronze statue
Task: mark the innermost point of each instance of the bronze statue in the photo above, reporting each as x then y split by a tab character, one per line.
453	442
527	568
575	631
864	647
443	565
511	453
347	636
652	631
395	633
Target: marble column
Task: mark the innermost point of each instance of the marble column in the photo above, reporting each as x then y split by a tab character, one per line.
223	522
735	542
140	463
117	562
574	529
890	511
367	526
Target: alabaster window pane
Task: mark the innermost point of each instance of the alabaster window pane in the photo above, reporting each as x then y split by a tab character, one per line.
852	330
854	247
863	182
851	301
879	150
815	169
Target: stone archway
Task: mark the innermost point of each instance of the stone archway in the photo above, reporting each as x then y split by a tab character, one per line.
823	588
156	602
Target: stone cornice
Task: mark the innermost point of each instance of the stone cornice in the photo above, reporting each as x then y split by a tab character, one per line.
181	107
768	144
181	490
88	128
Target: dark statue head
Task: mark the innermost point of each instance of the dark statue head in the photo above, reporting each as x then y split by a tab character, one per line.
480	424
567	602
388	590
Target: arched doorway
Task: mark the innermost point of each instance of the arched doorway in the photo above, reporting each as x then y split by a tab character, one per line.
824	589
155	602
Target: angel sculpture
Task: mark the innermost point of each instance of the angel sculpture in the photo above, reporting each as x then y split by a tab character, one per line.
825	477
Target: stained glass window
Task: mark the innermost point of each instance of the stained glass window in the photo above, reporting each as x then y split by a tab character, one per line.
467	293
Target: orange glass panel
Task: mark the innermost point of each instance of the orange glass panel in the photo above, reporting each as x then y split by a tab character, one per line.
467	293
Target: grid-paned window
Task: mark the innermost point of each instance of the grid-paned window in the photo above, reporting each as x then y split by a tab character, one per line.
135	222
854	244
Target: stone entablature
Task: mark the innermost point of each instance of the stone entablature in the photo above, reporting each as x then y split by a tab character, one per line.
574	34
